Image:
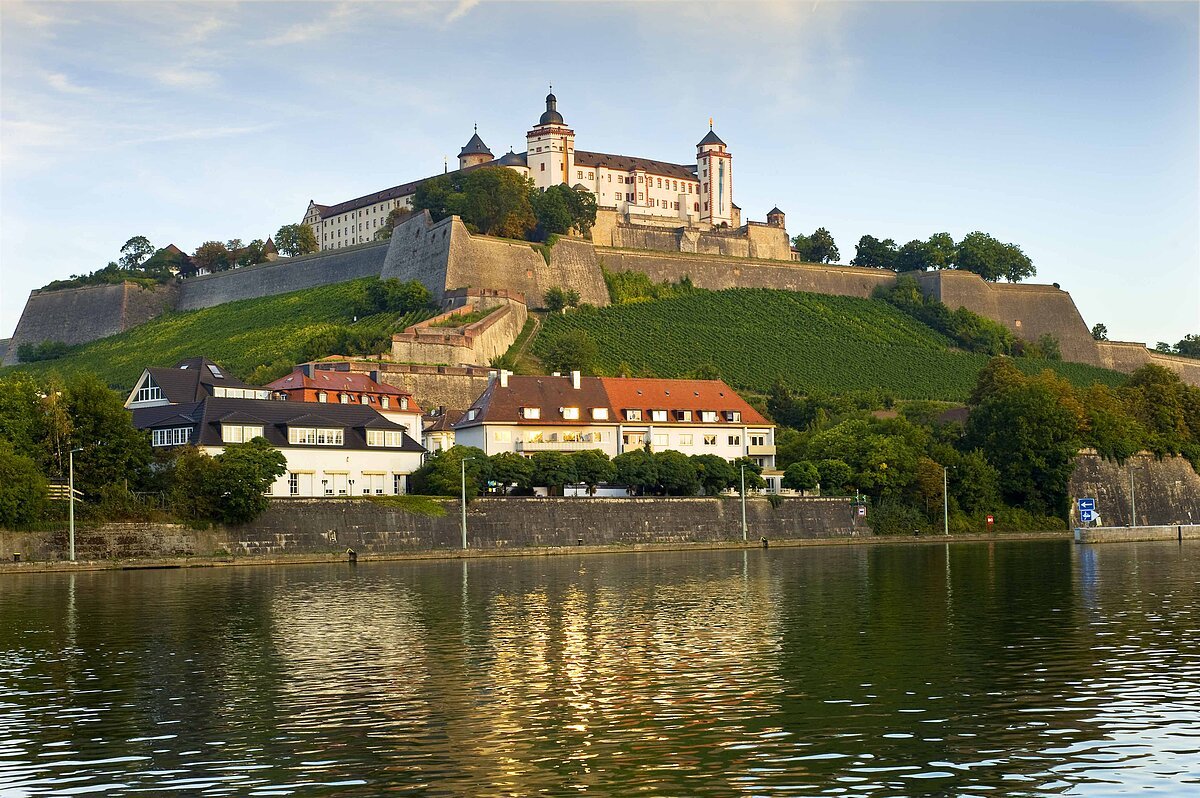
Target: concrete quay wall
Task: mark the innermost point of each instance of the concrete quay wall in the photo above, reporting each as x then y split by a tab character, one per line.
1165	491
1136	534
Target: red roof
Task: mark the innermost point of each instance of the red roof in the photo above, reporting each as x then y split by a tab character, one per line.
634	393
327	380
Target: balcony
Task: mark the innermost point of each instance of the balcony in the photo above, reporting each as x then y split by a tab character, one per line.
557	446
767	450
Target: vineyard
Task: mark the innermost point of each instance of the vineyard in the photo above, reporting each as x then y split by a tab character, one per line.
256	339
813	342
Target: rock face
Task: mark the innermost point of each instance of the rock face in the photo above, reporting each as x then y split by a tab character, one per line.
1165	491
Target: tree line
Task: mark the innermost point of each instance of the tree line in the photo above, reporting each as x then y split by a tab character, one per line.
977	252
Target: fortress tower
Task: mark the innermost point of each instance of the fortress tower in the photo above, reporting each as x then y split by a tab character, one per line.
550	148
714	168
474	152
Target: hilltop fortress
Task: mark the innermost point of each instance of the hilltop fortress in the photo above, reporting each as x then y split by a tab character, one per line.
689	227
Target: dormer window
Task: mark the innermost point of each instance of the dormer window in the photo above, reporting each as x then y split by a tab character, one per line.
531	412
471	414
683	415
366	400
599	414
733	415
570	413
708	416
633	415
403	403
149	392
658	415
384	402
322	396
344	398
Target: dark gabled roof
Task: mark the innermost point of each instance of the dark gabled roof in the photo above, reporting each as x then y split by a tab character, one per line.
628	163
511	158
192	380
439	422
710	138
269	248
774	211
395	192
475	147
276	417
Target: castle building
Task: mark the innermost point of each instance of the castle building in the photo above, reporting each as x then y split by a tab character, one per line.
644	190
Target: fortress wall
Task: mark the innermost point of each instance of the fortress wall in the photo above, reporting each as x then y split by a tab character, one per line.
431	385
718	274
1128	357
281	276
753	241
79	315
420	250
1167	491
1029	311
476	344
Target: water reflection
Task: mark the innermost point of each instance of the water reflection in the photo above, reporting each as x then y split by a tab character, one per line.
1031	668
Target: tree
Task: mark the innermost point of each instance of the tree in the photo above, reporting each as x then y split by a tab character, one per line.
636	470
510	469
915	256
1188	346
992	259
929	484
705	371
491	200
395	216
875	254
440	475
296	239
801	475
22	488
754	480
942	250
676	473
835	475
592	468
393	296
242	479
714	472
816	248
552	470
113	450
253	253
555	300
134	252
1100	332
572	351
212	256
976	484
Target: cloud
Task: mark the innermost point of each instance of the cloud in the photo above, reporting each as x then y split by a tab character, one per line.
339	18
31	15
185	77
461	9
198	134
60	82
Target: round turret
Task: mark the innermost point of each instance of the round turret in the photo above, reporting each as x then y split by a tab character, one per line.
775	217
474	152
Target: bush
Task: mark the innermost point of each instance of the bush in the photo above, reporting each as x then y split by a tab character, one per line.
22	489
46	350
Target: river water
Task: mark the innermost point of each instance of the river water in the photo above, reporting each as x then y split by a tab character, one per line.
1027	668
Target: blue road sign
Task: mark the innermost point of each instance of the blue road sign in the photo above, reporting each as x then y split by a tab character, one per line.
1086	516
1086	504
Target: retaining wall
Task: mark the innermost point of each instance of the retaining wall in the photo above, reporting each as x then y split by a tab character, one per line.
474	344
1137	534
1127	356
319	526
1167	491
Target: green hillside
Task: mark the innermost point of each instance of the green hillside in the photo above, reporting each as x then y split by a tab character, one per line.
267	335
811	341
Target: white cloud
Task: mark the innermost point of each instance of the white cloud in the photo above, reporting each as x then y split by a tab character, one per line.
185	77
60	82
461	8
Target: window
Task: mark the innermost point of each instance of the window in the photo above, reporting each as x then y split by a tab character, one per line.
383	437
322	396
148	392
636	439
344	398
309	436
403	402
472	413
658	415
366	400
240	393
502	436
397	484
384	402
685	439
240	433
293	484
591	175
531	412
733	415
710	440
633	415
735	440
683	415
599	414
579	174
639	178
758	440
661	440
708	416
660	182
543	165
216	372
640	195
176	436
570	413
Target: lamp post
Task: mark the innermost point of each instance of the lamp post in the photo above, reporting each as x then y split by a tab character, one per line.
71	504
463	483
745	534
1132	498
945	501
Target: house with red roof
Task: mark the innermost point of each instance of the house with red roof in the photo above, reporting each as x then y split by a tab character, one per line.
311	383
528	414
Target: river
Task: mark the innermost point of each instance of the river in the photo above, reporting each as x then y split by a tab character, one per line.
1014	668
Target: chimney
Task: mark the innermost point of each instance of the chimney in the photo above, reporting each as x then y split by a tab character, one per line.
373	374
504	374
575	380
306	369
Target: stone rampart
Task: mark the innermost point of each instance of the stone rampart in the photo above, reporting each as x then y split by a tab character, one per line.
78	315
1029	311
753	240
717	273
1128	356
473	344
430	385
1165	491
282	276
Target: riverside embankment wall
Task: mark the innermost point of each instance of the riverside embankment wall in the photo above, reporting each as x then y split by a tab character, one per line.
1167	491
320	526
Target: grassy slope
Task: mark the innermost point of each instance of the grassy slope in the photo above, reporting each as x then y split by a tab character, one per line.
811	341
240	335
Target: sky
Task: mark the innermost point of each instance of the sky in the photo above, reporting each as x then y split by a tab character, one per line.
1072	130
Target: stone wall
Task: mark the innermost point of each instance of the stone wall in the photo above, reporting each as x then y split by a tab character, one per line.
431	386
1029	311
320	526
1128	357
282	276
718	273
78	315
1166	491
474	344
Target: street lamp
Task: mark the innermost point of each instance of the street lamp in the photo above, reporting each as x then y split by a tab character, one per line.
745	535
71	505
945	501
1132	497
463	483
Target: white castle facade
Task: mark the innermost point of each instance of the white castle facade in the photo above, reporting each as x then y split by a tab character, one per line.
641	190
